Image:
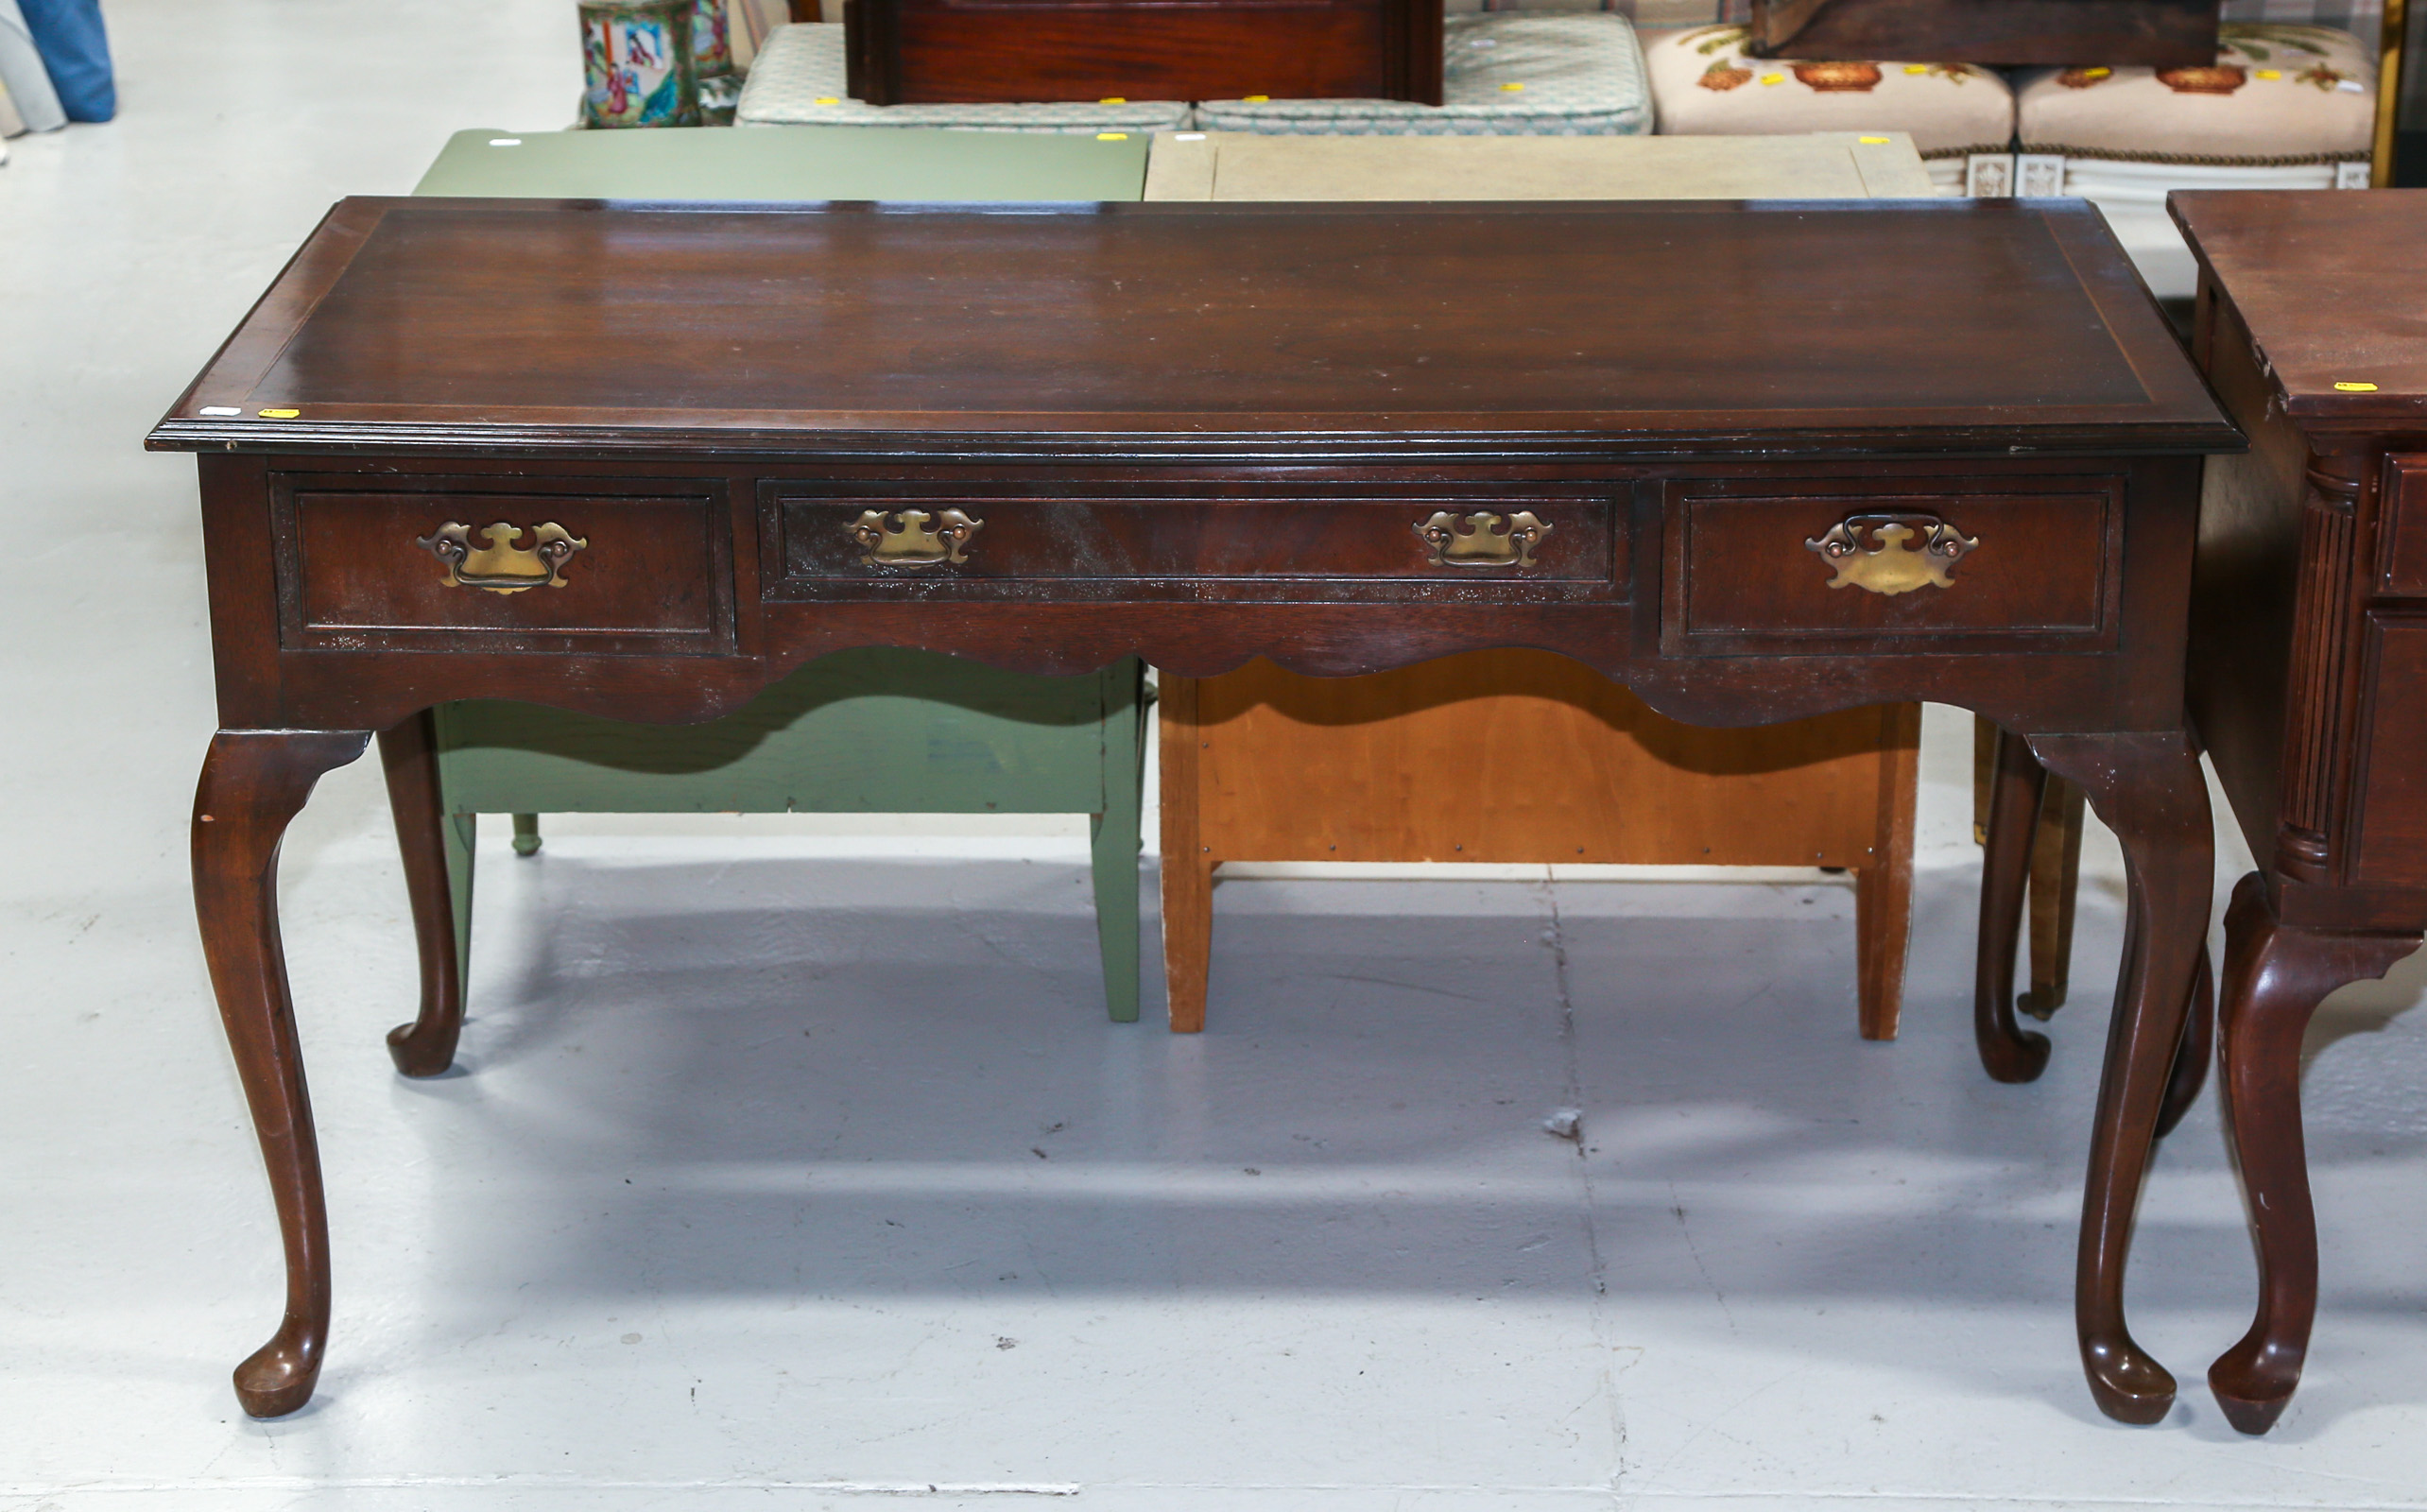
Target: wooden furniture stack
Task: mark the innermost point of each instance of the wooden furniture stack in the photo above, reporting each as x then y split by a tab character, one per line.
966	433
1426	763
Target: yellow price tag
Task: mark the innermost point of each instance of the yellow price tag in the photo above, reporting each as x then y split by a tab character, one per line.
1773	79
1114	99
1917	68
2340	389
1255	99
2271	73
1512	88
1872	141
829	99
290	414
1111	136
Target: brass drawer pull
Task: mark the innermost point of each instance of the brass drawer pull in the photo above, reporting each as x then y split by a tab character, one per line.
902	539
502	567
1488	541
1893	567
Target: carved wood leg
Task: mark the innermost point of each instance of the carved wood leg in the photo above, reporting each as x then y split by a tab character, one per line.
1883	888
2007	1053
2275	977
252	784
2190	1072
409	754
2150	791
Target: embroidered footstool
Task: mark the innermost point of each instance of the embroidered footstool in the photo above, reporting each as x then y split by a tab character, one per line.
1509	73
1960	115
796	80
2284	107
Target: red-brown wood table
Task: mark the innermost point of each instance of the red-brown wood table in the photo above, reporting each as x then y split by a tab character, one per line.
2309	671
1348	438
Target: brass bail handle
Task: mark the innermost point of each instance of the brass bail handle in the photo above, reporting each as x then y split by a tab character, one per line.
503	567
1892	566
904	538
1483	539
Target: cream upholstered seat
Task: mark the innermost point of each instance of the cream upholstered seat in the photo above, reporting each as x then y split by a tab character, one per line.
2284	106
1704	84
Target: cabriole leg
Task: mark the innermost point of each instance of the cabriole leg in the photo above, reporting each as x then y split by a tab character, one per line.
252	784
2275	977
2149	790
2007	1052
409	753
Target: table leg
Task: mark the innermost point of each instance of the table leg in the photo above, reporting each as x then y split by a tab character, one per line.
2150	791
2275	977
2016	785
409	754
254	781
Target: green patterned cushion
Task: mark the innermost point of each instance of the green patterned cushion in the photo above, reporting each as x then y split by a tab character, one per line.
1512	74
796	80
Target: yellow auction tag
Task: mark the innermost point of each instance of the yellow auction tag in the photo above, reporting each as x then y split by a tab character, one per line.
1111	136
1917	68
2340	389
290	414
1773	79
1114	99
1512	88
1255	99
1872	141
2271	73
2096	73
829	99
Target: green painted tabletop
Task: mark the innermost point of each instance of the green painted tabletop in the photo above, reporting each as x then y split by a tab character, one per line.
789	163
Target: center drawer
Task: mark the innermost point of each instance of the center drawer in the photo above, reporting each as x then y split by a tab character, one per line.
1523	544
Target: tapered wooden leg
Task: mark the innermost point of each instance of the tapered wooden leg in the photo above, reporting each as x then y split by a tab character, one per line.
1884	887
2275	977
2007	1053
2056	887
2190	1072
2150	791
252	784
409	754
1187	867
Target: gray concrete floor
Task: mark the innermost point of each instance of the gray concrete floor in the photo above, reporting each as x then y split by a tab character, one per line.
792	1164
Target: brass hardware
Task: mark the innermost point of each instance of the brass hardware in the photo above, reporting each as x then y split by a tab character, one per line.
902	539
502	567
1893	567
1488	541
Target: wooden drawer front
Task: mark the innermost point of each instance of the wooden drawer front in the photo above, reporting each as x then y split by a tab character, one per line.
2388	840
654	574
1338	548
1742	579
2402	538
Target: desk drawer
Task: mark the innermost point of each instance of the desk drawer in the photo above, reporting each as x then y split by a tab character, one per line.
1516	544
2402	539
518	568
1827	566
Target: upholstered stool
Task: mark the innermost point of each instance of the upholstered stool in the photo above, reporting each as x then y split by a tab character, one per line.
1960	115
796	80
2285	107
1514	74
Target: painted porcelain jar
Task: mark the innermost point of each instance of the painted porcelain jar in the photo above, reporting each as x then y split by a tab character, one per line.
637	63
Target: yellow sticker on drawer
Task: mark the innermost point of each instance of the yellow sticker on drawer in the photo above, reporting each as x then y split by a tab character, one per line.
290	414
1111	136
1255	99
1512	88
2340	389
1872	141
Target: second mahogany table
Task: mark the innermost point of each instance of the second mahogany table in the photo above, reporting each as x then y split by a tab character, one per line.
2309	671
1756	461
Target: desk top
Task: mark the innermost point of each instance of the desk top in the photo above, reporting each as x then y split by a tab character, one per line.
2328	282
1576	329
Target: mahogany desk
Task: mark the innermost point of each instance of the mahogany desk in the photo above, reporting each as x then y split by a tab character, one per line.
642	462
2309	671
